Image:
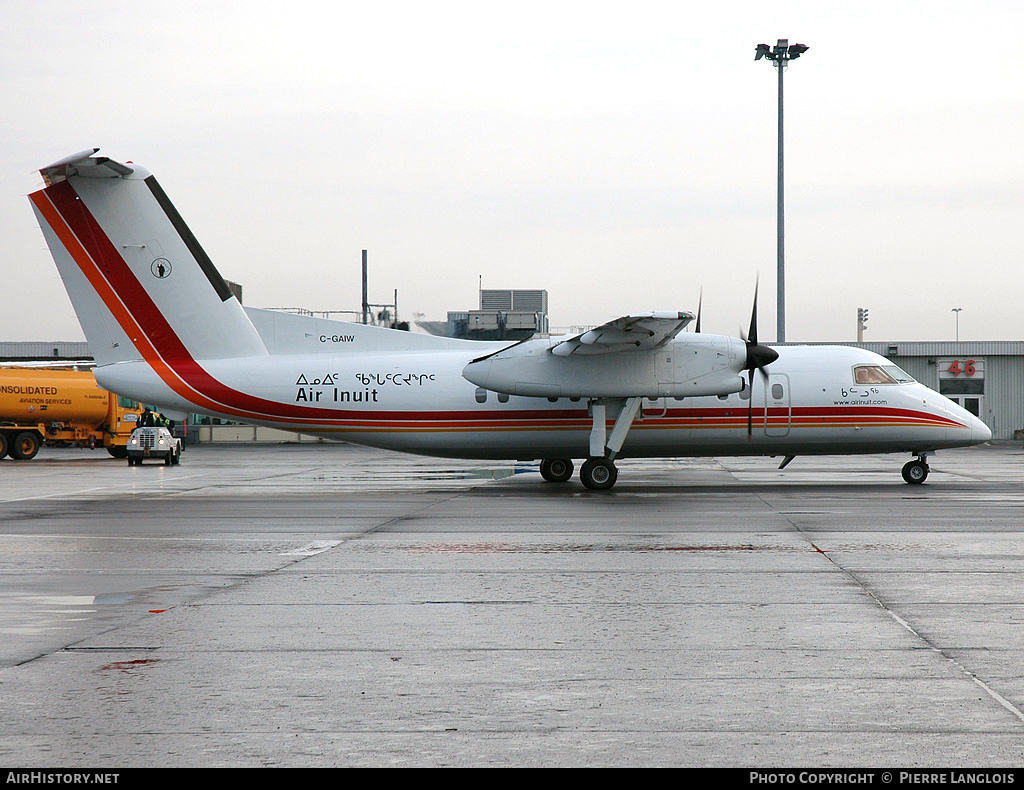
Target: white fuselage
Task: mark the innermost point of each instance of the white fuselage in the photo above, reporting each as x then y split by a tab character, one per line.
418	401
166	329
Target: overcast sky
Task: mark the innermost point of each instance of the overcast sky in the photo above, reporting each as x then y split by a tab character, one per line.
620	155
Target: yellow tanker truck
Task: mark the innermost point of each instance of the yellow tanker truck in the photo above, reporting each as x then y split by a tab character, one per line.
61	408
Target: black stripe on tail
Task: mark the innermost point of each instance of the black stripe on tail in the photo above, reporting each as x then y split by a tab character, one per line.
190	240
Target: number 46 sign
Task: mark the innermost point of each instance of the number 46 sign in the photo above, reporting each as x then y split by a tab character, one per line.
961	368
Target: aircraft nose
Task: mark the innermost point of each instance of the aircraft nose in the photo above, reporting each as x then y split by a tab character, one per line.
979	431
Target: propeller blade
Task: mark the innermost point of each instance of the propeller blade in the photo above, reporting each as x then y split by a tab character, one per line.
752	334
750	407
758	358
700	303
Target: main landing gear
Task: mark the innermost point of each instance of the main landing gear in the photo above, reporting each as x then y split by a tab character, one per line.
916	472
556	470
598	472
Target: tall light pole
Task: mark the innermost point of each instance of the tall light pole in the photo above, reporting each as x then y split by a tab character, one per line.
780	55
957	311
862	319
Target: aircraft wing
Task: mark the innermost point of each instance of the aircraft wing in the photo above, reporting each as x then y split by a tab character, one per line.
633	356
630	333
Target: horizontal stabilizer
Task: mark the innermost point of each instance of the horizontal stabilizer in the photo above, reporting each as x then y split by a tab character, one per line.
86	165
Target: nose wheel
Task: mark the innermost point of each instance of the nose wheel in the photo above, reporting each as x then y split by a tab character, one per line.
916	472
598	474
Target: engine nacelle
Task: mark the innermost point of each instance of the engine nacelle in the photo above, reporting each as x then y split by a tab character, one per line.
692	365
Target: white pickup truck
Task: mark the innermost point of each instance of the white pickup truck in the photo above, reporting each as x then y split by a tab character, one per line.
153	443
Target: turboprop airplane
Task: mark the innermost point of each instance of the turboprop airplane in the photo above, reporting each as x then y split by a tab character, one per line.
165	329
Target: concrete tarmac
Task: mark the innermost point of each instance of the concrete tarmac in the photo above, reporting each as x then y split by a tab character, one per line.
327	605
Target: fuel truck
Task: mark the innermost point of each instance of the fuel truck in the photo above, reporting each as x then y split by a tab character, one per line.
61	408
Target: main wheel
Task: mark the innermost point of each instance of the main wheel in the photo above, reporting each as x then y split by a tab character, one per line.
598	474
915	472
25	445
556	470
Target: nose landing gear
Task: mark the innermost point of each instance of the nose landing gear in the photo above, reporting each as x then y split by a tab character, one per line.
916	472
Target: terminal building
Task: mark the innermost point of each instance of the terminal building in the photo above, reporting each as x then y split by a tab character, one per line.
504	314
985	377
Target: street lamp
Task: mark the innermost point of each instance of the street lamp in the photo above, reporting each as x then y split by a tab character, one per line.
957	311
780	55
862	319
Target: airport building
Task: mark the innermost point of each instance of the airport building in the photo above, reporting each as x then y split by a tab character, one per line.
504	314
62	352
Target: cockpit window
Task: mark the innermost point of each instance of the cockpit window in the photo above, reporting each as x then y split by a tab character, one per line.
901	376
872	374
880	374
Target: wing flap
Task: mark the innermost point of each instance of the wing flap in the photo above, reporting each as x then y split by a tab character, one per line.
641	332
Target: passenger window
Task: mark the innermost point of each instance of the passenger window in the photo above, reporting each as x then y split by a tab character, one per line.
777	391
502	397
481	395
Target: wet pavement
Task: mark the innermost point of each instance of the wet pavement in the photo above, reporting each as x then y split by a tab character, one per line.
326	605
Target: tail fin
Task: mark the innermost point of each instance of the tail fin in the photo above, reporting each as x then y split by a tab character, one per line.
141	284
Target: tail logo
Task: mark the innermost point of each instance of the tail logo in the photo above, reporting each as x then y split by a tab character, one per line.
161	268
